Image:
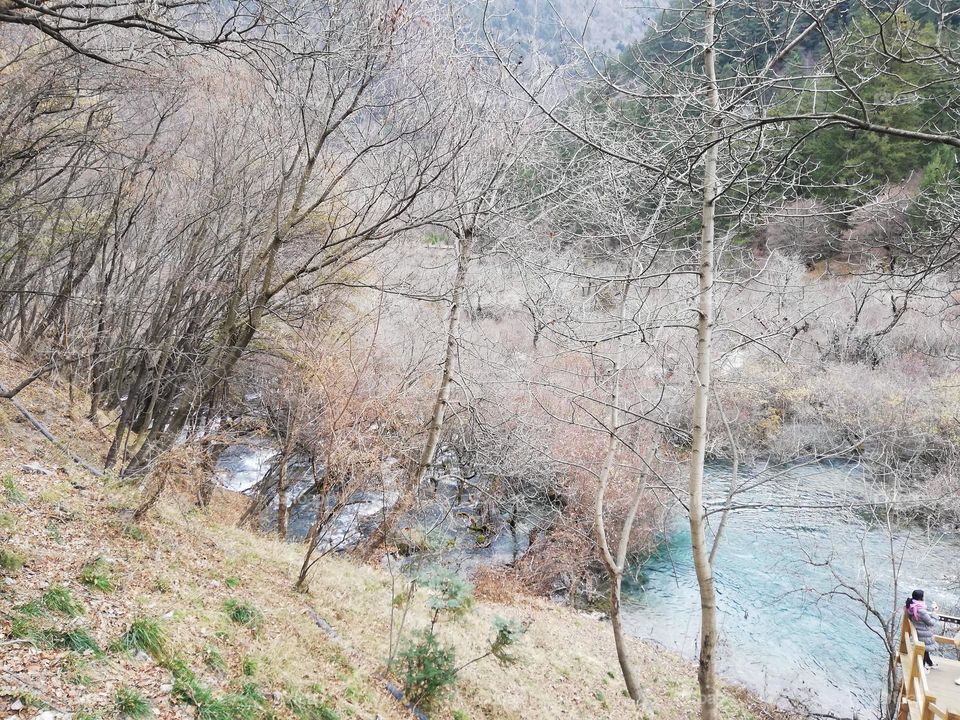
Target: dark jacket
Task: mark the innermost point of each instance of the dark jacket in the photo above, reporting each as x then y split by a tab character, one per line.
925	623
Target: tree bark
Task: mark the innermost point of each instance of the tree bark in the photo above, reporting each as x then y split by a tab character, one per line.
620	640
435	425
282	484
707	670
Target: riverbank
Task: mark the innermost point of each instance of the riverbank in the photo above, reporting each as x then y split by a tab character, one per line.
181	569
827	572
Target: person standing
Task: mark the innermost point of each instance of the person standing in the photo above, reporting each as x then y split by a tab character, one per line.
925	623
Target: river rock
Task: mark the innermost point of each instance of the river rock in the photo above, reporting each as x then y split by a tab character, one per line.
36	469
323	625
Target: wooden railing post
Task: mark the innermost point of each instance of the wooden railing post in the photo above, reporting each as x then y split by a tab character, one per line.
903	632
923	697
908	675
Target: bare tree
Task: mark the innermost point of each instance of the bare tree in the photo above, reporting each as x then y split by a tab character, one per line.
616	564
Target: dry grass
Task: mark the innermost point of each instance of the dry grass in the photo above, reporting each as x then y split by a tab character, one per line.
182	565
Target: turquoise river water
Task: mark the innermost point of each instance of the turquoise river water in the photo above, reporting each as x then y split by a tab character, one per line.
785	571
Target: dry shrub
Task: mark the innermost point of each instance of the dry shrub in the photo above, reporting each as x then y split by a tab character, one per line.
185	469
498	583
564	561
566	558
943	490
899	422
801	230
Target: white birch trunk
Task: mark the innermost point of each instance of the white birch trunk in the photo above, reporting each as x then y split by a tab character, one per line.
707	670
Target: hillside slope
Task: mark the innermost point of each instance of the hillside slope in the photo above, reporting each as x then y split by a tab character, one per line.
218	631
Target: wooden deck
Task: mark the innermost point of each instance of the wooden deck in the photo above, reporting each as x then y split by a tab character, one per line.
942	686
927	694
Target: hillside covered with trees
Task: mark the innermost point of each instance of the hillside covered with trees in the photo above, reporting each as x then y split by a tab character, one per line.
475	311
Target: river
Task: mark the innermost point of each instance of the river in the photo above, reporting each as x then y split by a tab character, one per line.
788	626
453	509
789	629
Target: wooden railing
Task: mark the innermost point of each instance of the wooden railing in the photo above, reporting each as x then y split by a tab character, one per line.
916	700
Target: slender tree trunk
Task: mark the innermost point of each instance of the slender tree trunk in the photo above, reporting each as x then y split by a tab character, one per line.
435	425
146	423
707	671
615	566
282	485
97	362
620	640
282	500
126	415
733	485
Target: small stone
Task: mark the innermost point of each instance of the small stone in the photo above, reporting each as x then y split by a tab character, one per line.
9	581
141	656
36	469
49	715
166	688
16	705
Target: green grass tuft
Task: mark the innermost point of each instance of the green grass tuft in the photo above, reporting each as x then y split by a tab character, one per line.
59	599
249	667
213	659
23	627
87	715
305	707
144	634
8	523
78	640
96	574
27	623
10	561
134	533
188	690
11	492
33	609
252	692
243	614
130	704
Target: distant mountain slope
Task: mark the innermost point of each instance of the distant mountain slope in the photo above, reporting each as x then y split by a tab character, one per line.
606	26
